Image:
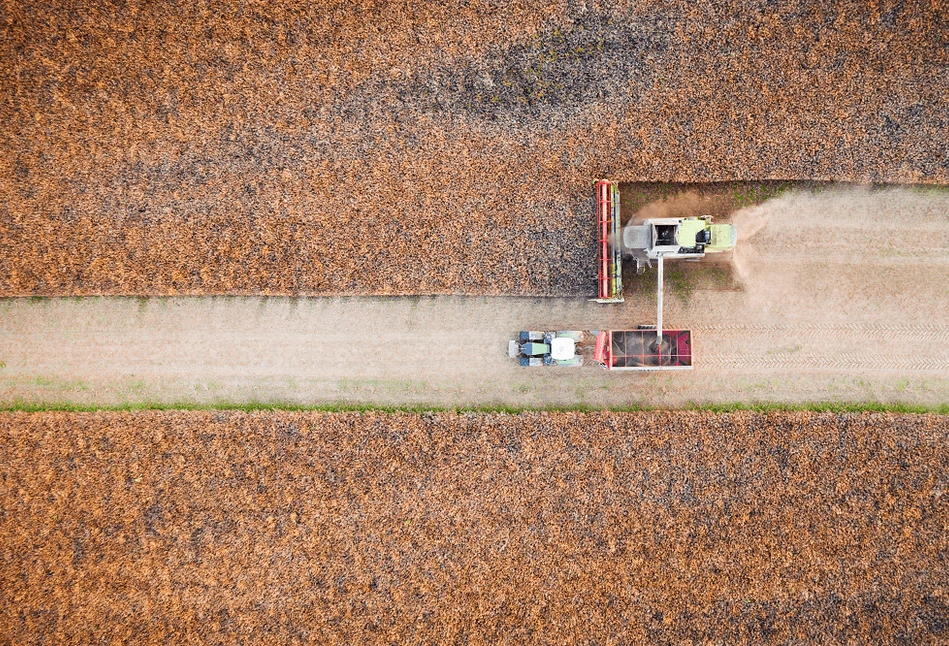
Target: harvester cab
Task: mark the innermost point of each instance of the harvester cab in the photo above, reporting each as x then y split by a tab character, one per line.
689	238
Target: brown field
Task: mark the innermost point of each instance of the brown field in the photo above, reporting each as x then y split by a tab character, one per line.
217	527
424	147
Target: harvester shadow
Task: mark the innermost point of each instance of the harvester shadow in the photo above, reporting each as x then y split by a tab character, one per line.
684	277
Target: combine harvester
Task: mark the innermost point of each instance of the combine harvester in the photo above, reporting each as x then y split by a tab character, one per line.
648	347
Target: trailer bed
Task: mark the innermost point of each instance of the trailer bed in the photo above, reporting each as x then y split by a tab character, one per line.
637	350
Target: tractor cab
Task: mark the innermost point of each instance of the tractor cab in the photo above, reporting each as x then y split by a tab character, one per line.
533	348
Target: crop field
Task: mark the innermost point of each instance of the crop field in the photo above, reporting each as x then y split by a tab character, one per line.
218	527
361	147
178	179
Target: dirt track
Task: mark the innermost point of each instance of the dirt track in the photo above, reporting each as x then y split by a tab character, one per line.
843	299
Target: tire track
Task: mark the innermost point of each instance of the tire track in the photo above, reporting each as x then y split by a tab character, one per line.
832	257
824	361
870	331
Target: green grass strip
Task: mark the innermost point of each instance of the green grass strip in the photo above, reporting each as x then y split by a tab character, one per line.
757	407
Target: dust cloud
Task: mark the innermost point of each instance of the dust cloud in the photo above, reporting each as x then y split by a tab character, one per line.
748	222
848	254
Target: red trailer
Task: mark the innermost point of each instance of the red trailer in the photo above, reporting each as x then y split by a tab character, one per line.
638	350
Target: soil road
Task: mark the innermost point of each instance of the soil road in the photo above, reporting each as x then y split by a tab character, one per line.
844	298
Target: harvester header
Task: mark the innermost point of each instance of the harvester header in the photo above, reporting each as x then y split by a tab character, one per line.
610	267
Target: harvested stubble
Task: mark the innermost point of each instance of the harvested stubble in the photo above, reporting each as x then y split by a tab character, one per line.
423	147
391	528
